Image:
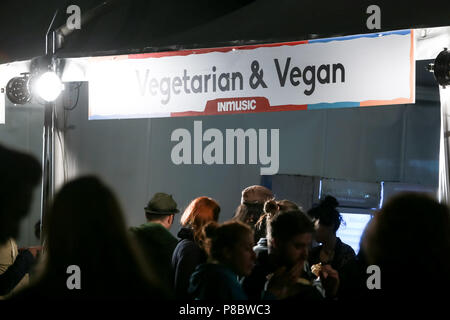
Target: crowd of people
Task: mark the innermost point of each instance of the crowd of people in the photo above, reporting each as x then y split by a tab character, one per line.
264	252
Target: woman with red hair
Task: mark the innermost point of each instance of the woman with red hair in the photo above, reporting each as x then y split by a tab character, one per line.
189	252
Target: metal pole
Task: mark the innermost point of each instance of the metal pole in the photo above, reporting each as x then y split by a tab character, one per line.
48	144
48	158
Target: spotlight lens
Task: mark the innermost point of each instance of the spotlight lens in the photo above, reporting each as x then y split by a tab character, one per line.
48	86
17	90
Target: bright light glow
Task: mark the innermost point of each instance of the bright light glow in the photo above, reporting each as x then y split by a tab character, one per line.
355	224
48	86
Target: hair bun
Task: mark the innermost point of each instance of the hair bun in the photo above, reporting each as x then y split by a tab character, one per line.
330	202
210	229
270	207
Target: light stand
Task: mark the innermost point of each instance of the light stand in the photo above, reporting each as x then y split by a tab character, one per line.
54	40
48	154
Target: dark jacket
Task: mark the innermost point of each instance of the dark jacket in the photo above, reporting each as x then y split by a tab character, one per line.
12	276
55	288
186	257
158	245
254	284
211	281
343	254
343	262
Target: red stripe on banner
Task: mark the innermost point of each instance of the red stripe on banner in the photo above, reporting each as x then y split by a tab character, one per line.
238	106
208	50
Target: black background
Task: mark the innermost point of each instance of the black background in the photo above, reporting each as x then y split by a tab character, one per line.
151	25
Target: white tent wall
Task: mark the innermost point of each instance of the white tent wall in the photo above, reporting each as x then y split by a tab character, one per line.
390	143
23	131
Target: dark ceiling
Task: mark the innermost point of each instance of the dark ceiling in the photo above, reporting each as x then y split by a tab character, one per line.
150	25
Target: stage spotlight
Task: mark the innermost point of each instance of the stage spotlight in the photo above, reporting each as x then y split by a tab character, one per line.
44	86
18	89
47	86
441	68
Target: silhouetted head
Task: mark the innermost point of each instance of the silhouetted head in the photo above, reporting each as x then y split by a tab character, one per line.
290	236
249	213
252	204
19	175
409	238
327	219
199	212
271	208
231	244
161	209
85	227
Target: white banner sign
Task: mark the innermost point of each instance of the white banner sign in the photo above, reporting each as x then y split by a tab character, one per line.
363	70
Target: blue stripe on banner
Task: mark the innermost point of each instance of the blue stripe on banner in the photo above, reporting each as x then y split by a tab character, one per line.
336	105
369	35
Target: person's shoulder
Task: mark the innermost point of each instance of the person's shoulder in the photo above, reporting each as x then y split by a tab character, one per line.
225	271
165	236
346	249
154	227
139	229
186	247
220	275
345	256
149	226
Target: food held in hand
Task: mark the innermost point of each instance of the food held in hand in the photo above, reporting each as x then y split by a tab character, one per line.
315	269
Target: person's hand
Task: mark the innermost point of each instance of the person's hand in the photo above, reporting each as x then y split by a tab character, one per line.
33	250
330	280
